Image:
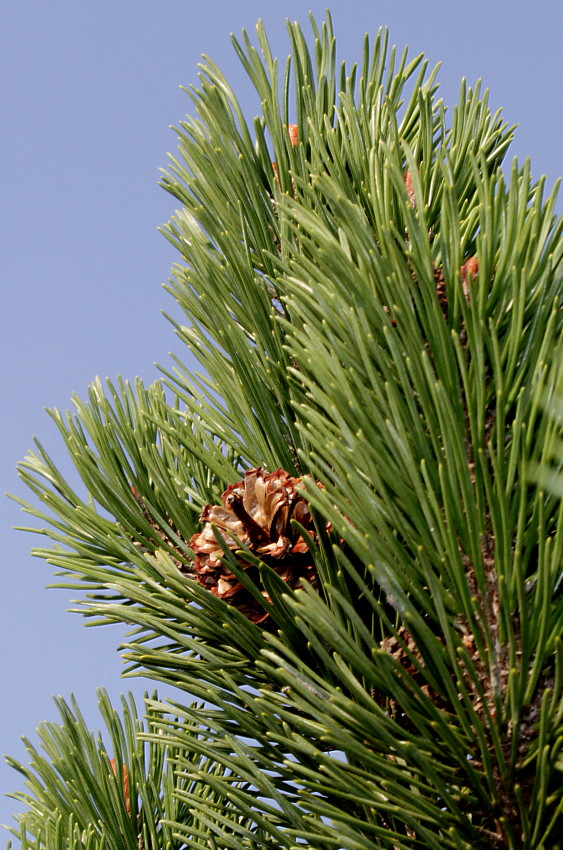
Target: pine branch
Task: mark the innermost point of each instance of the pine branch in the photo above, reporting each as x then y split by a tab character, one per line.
331	537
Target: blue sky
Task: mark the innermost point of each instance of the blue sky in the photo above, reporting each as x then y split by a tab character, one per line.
89	92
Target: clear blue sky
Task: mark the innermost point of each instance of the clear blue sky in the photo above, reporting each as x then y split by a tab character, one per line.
89	90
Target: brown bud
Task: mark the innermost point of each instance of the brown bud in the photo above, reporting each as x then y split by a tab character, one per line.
470	267
293	132
276	175
410	188
125	779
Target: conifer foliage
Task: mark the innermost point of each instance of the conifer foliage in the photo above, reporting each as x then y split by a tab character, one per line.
332	541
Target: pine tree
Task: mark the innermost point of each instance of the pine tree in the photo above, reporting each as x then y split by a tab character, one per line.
332	542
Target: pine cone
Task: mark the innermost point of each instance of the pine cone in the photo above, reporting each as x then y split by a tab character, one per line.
256	513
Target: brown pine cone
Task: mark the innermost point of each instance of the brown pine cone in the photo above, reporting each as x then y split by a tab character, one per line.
256	513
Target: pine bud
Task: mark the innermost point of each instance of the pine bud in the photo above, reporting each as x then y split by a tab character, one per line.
470	267
410	187
125	778
276	175
293	132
